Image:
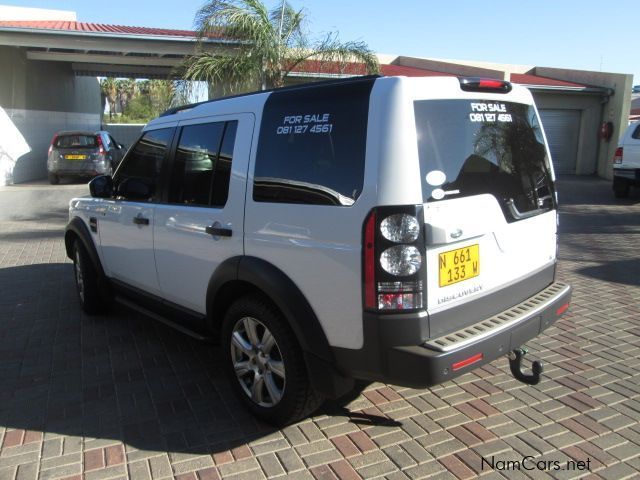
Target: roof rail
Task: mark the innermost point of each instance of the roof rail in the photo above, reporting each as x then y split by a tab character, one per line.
300	86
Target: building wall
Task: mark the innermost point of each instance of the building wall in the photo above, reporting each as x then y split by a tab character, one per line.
615	108
9	12
590	107
125	134
40	99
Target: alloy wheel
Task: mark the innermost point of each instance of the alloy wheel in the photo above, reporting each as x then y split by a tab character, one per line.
257	362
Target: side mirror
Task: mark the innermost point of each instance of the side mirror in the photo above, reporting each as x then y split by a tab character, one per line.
134	189
101	187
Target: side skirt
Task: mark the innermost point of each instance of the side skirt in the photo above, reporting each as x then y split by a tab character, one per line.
179	318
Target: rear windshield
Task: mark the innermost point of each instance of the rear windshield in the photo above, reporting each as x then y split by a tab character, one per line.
473	147
76	141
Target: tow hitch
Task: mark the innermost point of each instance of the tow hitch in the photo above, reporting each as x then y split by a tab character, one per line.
515	363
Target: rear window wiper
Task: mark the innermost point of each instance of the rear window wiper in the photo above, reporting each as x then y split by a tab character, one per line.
518	215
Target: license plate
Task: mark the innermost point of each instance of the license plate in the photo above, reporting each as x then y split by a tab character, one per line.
458	265
75	157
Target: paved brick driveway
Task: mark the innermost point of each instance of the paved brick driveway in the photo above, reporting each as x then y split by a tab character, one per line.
121	396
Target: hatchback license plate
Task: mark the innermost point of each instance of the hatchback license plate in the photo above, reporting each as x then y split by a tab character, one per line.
460	264
75	157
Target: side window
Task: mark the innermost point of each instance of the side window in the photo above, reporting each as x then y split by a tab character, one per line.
144	161
222	174
312	145
202	165
636	133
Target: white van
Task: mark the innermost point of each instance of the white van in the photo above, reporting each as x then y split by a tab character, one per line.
626	162
378	229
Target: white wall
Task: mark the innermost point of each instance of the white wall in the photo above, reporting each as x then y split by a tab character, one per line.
37	127
8	12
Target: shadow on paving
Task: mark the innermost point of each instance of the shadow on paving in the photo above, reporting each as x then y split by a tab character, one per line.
120	376
623	271
591	190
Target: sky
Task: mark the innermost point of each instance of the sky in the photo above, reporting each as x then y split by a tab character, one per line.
586	35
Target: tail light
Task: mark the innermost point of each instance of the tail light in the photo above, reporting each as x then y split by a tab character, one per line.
617	157
475	84
393	259
100	145
53	142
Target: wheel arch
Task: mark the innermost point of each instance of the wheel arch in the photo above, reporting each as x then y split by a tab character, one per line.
239	276
77	230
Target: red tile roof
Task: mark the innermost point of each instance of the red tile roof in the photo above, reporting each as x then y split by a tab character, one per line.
94	28
526	79
400	70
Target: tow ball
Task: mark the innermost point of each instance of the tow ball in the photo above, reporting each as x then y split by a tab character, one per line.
515	363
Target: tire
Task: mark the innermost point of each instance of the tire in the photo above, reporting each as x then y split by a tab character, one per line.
620	188
86	281
265	364
53	179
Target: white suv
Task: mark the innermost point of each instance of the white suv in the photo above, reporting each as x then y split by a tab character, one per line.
626	162
376	229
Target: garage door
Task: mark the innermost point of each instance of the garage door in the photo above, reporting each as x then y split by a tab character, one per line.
562	128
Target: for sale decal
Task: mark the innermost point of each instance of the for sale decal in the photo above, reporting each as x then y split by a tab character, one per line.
489	112
305	124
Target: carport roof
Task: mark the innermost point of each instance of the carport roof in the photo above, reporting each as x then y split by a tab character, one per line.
148	33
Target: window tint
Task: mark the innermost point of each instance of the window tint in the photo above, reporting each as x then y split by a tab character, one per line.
312	145
202	165
144	161
76	141
481	146
636	133
222	172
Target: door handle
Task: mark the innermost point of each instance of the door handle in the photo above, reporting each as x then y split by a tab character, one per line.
140	220
218	231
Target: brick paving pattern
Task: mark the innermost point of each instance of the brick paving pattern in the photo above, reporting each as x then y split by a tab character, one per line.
120	396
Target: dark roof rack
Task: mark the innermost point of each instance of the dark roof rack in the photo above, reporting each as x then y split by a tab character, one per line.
301	86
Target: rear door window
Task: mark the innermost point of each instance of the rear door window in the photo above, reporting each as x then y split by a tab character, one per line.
76	141
312	145
202	165
473	147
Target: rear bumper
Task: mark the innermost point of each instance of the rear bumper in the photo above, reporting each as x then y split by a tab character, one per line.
439	359
89	171
631	175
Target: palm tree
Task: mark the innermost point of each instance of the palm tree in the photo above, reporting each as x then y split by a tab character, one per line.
269	46
109	89
126	91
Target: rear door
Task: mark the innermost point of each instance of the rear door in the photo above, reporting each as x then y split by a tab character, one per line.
201	223
488	199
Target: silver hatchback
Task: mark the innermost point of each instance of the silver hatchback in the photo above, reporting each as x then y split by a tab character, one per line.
82	154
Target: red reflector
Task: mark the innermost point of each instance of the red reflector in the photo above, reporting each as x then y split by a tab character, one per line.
369	262
469	361
562	309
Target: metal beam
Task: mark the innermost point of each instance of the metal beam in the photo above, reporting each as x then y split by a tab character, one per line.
128	71
115	59
107	42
